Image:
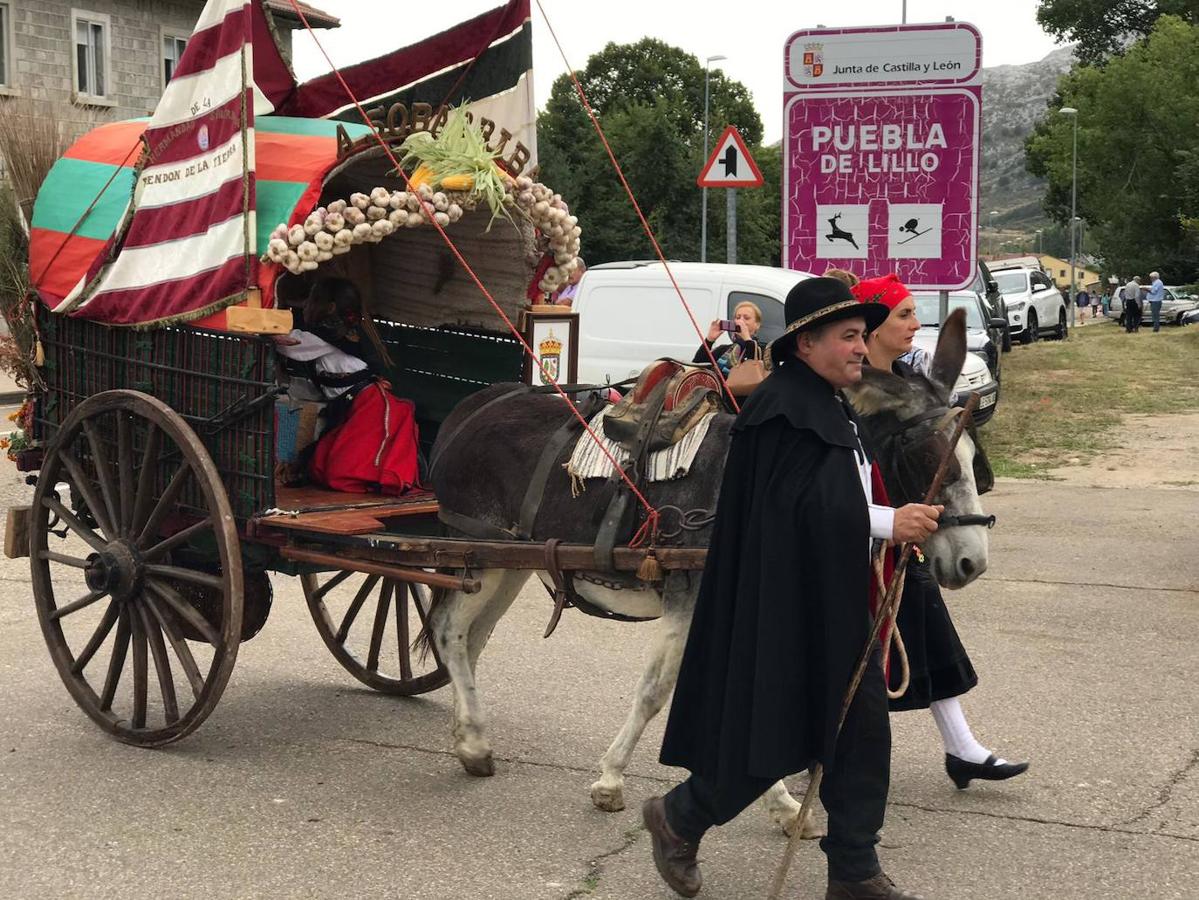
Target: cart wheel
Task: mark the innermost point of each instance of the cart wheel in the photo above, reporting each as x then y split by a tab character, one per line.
336	600
116	570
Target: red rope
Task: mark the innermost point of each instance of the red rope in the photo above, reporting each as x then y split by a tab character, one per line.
651	513
649	232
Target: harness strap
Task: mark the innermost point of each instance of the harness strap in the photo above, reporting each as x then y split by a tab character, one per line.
958	521
473	527
564	593
562	436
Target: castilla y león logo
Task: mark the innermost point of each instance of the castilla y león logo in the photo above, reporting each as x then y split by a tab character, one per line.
813	60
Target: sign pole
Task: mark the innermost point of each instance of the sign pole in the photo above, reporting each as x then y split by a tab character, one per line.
943	309
731	216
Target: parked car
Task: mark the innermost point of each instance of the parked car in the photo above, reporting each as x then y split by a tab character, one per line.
1035	307
987	288
975	378
1191	318
984	335
629	313
1174	307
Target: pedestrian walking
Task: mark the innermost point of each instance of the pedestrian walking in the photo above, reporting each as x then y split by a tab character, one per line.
1083	299
1157	293
782	612
1131	297
1095	303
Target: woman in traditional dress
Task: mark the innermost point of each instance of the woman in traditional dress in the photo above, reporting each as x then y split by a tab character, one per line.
940	669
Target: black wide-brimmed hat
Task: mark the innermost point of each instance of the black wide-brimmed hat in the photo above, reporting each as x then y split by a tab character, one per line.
818	301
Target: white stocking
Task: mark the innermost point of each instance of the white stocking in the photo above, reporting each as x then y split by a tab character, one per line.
956	734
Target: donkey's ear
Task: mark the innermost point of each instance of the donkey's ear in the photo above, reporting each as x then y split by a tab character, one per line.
877	392
950	355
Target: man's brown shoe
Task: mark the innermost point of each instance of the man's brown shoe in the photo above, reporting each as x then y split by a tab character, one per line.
674	857
880	887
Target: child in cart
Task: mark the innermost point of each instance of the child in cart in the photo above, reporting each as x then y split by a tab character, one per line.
370	439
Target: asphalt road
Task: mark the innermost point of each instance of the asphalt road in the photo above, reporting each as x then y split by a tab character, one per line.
303	785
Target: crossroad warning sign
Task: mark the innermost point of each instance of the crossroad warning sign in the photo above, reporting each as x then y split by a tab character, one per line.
730	165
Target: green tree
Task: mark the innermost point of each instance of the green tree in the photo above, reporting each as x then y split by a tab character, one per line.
649	98
1101	27
1138	179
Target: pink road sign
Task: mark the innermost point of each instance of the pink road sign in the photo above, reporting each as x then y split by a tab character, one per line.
878	177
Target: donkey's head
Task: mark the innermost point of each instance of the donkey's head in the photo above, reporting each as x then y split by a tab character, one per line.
910	422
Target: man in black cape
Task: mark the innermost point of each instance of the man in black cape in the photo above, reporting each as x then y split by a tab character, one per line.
782	613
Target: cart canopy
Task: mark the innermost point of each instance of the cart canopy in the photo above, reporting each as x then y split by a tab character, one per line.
164	220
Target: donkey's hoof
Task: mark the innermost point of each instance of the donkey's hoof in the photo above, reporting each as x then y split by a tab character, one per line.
479	766
810	831
609	798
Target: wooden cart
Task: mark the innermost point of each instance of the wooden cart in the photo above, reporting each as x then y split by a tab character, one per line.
158	515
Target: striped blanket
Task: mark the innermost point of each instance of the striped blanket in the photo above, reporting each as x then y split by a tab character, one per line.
588	461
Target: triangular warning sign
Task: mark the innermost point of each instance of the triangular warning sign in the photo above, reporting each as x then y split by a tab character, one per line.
730	165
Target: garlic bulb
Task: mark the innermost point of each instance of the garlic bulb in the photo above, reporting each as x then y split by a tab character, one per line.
360	201
323	241
296	235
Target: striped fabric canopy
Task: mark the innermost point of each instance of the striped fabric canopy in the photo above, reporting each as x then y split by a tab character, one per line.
163	220
292	156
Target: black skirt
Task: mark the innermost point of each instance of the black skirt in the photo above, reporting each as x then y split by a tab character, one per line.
940	667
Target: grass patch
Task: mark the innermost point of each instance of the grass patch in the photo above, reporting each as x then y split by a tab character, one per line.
1063	399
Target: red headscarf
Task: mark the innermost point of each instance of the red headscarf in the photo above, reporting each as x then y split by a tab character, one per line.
887	290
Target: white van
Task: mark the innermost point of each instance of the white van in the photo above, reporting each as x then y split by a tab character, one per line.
630	314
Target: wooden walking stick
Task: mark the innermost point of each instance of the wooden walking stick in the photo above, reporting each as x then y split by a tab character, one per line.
886	610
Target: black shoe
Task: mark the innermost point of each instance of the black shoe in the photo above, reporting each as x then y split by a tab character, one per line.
880	887
992	770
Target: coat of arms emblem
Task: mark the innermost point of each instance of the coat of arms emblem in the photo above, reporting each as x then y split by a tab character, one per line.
813	60
549	352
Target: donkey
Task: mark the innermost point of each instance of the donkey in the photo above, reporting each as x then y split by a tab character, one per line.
484	476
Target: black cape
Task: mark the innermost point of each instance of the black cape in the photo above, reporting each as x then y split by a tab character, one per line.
782	611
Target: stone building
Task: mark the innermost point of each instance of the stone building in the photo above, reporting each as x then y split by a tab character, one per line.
96	60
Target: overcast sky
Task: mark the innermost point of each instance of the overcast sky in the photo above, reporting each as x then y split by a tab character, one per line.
750	33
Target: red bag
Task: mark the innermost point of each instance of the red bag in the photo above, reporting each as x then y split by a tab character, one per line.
374	450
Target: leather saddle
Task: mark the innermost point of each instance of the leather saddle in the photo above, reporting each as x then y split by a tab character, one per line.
668	400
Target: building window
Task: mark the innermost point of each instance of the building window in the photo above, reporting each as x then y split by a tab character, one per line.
91	54
172	51
1062	273
5	29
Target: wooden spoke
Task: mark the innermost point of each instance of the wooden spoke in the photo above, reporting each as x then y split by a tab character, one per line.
106	622
165	504
162	665
402	640
332	583
184	610
125	471
183	653
116	663
73	561
372	660
140	671
355	605
93	540
360	651
145	480
204	579
177	539
85	487
79	604
103	473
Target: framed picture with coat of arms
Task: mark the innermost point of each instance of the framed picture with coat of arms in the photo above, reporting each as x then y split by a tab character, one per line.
554	336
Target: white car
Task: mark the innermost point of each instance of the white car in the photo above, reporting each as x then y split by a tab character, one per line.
976	378
1035	307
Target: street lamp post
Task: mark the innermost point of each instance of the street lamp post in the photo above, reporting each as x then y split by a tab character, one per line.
1073	113
703	227
994	234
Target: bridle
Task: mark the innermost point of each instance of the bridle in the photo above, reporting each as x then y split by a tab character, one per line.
915	446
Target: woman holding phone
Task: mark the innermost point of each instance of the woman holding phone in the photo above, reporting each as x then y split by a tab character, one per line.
742	330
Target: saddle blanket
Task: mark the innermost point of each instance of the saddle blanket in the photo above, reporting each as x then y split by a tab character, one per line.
588	461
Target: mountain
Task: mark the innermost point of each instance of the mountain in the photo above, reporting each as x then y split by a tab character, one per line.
1014	98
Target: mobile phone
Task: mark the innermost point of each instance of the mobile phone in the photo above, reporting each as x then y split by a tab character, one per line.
728	325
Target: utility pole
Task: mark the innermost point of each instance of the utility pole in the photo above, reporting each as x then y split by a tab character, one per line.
703	228
731	231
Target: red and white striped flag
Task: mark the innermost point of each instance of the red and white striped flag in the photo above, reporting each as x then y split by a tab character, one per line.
186	246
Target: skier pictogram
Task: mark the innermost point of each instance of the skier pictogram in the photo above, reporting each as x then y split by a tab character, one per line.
911	227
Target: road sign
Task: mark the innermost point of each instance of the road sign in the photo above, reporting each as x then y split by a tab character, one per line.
880	159
730	165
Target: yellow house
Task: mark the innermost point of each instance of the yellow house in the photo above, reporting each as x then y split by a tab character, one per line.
1059	271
